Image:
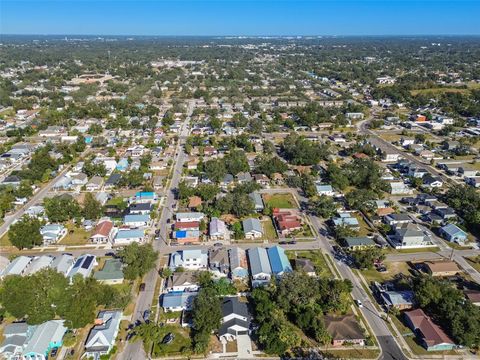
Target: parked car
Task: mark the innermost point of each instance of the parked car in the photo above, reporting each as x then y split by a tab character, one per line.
168	338
142	287
53	353
129	336
146	315
218	244
359	303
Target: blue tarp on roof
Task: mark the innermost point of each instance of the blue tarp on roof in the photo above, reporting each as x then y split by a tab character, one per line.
180	234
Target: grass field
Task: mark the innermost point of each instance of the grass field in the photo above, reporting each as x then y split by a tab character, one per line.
5	241
180	344
316	257
473	263
269	229
393	268
75	236
283	201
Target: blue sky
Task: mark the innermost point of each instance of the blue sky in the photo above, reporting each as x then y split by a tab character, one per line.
236	17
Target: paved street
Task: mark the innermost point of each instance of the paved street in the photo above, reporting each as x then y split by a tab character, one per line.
144	301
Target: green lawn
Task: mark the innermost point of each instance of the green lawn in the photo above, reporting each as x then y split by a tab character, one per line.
181	343
282	201
393	268
269	229
473	263
5	241
316	257
364	228
76	236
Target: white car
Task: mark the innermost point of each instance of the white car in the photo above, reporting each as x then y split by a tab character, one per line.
359	303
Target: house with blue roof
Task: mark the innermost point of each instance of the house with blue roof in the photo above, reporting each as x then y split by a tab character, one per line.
453	233
144	197
128	236
136	220
279	262
122	164
324	189
346	219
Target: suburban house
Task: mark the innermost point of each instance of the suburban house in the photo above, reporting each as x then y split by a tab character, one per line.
346	219
442	268
287	221
252	228
279	262
140	209
128	236
135	221
323	189
235	319
260	269
83	266
52	233
453	233
344	329
111	273
397	219
401	300
95	183
217	230
178	301
219	263
358	242
189	216
189	259
17	266
306	266
186	236
238	263
102	337
39	263
182	281
103	233
257	200
409	236
432	337
145	197
63	263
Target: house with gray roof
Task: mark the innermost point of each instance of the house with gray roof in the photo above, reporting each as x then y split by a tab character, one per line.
63	263
252	228
235	319
408	236
15	337
17	266
257	201
44	338
238	263
39	263
358	242
217	230
219	263
260	269
178	301
102	337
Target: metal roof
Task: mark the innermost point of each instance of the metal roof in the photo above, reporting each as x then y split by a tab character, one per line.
259	262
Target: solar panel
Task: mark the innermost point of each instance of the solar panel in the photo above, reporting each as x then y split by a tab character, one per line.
87	262
77	263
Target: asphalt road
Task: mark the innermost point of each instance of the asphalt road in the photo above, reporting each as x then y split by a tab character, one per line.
144	301
35	199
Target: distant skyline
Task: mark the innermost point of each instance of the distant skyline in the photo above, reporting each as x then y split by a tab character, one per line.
235	17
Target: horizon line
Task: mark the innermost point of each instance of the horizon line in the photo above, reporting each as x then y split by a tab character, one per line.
240	35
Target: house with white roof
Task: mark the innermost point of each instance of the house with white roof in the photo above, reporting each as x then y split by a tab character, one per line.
52	233
39	263
189	216
44	338
260	269
195	259
17	266
83	266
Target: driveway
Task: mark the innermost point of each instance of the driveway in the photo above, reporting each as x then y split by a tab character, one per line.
244	346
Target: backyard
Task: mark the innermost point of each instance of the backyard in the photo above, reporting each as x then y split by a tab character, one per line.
75	236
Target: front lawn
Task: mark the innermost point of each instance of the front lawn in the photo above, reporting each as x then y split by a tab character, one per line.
268	229
316	257
282	201
75	236
393	268
181	344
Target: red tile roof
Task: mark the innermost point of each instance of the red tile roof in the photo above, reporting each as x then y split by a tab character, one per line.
186	225
103	228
